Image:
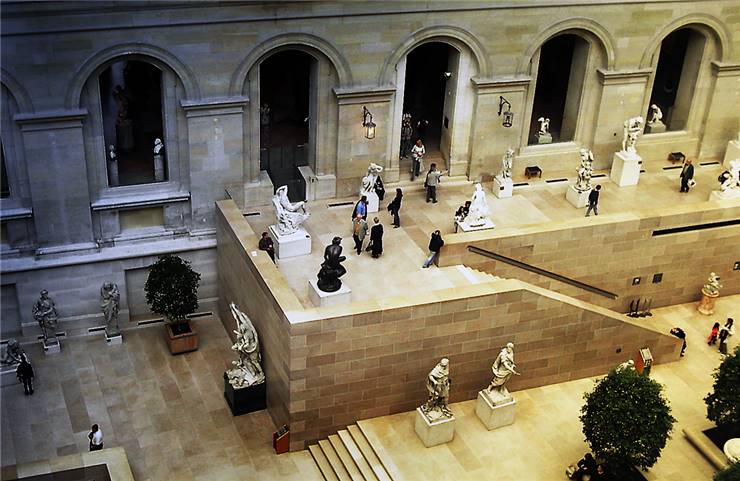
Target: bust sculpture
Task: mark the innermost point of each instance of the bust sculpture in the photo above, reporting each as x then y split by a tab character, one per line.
503	368
438	387
712	287
632	129
13	353
109	302
158	146
730	180
247	370
585	171
369	181
332	268
45	313
289	215
507	162
479	212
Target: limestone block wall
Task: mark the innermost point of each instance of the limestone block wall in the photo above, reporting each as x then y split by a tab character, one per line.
609	251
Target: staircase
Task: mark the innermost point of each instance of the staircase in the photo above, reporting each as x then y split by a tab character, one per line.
348	456
475	276
407	185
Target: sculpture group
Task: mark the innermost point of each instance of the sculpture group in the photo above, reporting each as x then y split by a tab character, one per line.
290	215
247	371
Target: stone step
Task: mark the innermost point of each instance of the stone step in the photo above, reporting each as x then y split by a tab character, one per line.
357	457
336	464
320	458
485	276
367	451
385	459
346	458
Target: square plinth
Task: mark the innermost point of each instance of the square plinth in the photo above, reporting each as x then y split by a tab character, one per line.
488	224
245	399
373	202
113	340
732	152
494	416
434	433
292	245
51	346
502	188
625	169
578	199
321	298
656	128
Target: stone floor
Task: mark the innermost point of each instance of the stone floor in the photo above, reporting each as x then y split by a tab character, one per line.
168	412
405	248
546	434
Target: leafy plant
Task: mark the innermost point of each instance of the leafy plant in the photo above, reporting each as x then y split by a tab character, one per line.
723	404
730	473
626	420
172	288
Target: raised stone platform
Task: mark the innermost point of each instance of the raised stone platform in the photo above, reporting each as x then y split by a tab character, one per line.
433	433
625	169
321	298
494	415
468	228
113	340
293	245
502	188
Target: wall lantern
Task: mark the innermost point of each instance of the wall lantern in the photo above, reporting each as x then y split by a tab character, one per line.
367	122
508	115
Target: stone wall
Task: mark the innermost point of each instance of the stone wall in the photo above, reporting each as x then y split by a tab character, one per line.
608	252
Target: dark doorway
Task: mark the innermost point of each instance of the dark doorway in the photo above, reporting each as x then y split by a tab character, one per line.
285	87
4	184
424	91
131	103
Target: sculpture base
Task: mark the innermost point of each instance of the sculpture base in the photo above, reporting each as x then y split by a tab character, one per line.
656	128
113	340
625	169
158	168
373	202
321	298
732	152
706	305
544	138
433	433
494	416
246	399
578	199
51	346
465	227
292	245
503	188
718	195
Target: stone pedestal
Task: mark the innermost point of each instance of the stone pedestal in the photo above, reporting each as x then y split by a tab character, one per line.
502	188
656	128
51	346
625	169
112	173
494	416
544	138
113	340
468	228
293	245
732	152
321	298
373	203
158	168
436	432
245	399
578	199
718	195
706	305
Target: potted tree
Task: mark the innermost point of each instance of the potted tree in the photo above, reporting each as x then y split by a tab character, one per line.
730	473
627	422
723	404
172	291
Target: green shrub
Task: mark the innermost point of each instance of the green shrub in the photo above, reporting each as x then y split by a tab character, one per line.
731	473
172	288
723	404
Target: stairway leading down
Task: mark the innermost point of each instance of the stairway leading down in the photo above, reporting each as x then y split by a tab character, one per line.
349	456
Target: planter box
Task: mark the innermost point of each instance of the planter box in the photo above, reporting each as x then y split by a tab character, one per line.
182	342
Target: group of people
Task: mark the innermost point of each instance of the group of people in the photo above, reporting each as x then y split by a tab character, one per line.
721	333
588	469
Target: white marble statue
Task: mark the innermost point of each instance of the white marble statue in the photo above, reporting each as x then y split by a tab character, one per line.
730	180
544	125
632	130
158	146
585	171
712	287
628	365
368	182
289	215
656	115
479	212
247	370
503	368
438	387
507	162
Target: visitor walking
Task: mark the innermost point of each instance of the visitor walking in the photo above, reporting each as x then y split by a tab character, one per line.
712	339
24	373
593	201
376	239
679	333
359	230
723	335
417	156
266	244
431	182
435	245
687	176
96	438
729	325
395	207
360	208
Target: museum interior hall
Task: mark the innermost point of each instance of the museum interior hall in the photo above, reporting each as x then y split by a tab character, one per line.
370	241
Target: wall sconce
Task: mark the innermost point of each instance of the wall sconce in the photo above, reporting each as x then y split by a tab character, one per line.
508	115
367	122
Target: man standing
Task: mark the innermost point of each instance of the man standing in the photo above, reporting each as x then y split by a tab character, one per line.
360	208
376	238
593	201
96	438
687	175
394	208
266	244
417	155
431	182
24	373
679	333
359	230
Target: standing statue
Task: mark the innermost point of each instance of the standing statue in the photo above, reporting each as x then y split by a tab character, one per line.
479	212
585	171
45	314
112	166
503	368
407	134
712	286
158	146
369	182
632	129
289	215
109	302
507	162
248	369
331	268
13	353
438	387
730	180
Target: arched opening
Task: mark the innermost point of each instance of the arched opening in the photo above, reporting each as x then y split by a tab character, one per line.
561	66
132	116
676	76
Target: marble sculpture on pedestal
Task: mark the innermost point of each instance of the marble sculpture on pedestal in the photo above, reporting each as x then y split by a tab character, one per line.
656	115
45	313
730	180
507	163
632	130
13	353
503	368
544	125
332	268
109	302
712	286
247	370
438	387
370	180
585	171
479	212
289	215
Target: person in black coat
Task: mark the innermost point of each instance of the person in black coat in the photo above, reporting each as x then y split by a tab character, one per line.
394	207
687	174
593	201
376	239
379	188
360	208
24	372
679	333
435	245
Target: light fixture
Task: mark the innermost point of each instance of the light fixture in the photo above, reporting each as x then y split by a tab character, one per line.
447	74
508	115
367	122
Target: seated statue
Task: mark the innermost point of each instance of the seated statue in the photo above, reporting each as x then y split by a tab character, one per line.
331	268
289	215
503	368
438	386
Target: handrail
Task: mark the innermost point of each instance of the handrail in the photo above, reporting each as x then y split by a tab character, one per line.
542	272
